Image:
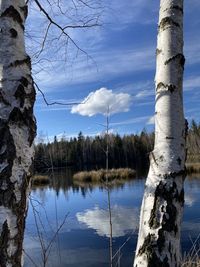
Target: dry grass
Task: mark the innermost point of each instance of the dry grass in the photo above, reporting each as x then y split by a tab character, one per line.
191	262
40	180
192	258
193	167
102	175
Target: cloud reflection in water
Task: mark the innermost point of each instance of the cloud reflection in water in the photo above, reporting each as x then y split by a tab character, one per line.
124	219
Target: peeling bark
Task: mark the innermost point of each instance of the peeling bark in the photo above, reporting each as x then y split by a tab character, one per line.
162	207
17	130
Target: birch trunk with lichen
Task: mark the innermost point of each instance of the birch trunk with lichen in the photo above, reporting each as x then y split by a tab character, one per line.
17	130
162	206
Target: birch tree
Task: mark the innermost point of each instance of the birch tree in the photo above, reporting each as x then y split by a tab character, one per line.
17	129
162	206
17	122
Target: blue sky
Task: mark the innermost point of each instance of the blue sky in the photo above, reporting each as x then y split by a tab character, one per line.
122	59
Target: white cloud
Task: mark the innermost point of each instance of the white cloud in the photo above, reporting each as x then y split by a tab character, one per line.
144	93
151	120
107	64
189	199
123	219
99	101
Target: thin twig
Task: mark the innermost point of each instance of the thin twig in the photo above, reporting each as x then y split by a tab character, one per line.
56	102
63	29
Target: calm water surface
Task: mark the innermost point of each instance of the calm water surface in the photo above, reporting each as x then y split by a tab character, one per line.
83	239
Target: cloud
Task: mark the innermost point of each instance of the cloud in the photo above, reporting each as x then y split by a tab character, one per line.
55	67
191	83
130	121
145	93
130	12
192	51
99	101
151	120
106	65
123	219
189	199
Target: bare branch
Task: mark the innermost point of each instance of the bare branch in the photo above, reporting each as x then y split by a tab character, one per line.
87	24
56	102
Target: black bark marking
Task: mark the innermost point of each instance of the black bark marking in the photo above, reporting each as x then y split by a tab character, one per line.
174	174
13	33
7	196
179	57
180	197
17	63
158	51
30	120
24	81
179	161
168	193
155	214
147	245
169	137
148	249
10	151
161	158
19	160
3	100
152	156
161	240
16	116
20	94
168	22
176	7
14	14
186	129
4	239
170	87
163	216
24	9
31	96
24	117
170	247
19	209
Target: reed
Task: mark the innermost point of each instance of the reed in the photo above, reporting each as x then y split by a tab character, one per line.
103	175
193	167
40	180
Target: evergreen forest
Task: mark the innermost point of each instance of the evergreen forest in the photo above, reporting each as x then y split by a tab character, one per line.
85	152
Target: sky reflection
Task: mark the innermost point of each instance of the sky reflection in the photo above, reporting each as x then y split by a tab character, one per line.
124	219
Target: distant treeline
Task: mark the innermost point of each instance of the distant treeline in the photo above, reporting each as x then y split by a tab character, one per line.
193	143
84	153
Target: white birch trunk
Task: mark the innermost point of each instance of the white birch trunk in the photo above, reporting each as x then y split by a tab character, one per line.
17	130
162	207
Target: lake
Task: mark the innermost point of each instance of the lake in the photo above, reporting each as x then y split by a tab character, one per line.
71	222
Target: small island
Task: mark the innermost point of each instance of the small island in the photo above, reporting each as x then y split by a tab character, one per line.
103	175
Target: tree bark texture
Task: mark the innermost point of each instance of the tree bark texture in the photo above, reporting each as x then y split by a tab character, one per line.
162	206
17	130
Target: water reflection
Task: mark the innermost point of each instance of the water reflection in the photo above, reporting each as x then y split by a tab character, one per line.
190	199
84	237
124	219
62	182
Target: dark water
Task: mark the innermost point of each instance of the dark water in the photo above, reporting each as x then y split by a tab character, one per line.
83	239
